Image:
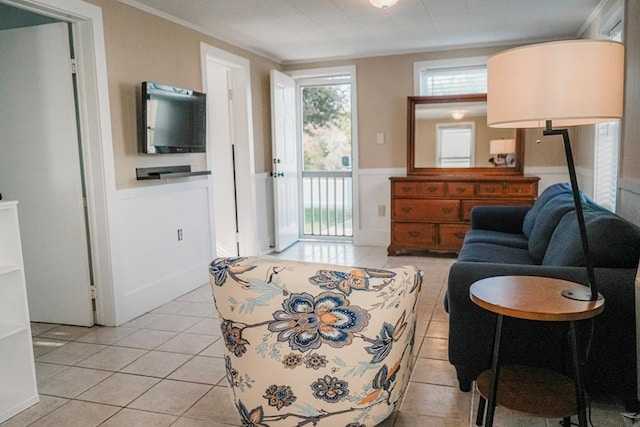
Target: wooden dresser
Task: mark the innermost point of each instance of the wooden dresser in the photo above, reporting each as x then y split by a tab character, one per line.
433	212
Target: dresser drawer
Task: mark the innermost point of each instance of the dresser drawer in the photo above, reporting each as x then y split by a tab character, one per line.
525	189
452	235
491	189
418	189
426	210
467	205
460	189
414	233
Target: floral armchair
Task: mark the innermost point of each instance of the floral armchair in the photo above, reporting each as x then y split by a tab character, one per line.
315	344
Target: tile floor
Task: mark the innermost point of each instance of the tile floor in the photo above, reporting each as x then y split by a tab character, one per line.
165	368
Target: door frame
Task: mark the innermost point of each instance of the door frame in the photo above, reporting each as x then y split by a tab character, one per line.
95	130
242	131
328	72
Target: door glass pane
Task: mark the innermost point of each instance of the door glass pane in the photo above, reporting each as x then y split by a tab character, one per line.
326	127
327	160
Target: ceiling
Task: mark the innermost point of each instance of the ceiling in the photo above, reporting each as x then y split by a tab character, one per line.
306	30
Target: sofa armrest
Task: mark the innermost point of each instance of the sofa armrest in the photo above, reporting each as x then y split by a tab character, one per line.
507	219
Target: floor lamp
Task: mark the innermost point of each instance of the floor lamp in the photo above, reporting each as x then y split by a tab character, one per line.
566	83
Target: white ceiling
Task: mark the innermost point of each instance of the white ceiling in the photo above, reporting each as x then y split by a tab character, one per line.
306	30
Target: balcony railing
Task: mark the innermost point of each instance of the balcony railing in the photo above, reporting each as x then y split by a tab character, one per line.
327	204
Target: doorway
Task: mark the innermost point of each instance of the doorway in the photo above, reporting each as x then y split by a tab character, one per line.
326	174
94	147
226	80
327	129
41	168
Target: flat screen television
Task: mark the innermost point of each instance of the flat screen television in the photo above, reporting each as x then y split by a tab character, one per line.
173	120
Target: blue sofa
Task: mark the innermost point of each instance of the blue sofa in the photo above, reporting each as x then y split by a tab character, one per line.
543	240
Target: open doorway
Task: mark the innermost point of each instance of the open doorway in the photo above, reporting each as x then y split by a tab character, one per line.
327	129
82	23
326	173
41	166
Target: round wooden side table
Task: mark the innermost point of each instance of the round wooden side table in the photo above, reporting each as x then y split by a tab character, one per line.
530	390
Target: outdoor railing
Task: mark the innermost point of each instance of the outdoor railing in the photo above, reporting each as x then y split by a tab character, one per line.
327	204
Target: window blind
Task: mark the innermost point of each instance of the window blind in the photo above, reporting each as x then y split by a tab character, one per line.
453	81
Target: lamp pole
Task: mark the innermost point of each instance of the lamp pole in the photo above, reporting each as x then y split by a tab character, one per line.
593	295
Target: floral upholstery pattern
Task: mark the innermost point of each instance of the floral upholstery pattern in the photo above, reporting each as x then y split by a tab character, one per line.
315	344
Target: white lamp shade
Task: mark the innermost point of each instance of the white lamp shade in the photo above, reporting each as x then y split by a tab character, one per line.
383	4
502	146
572	83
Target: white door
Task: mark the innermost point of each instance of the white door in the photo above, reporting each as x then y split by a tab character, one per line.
221	134
40	167
285	160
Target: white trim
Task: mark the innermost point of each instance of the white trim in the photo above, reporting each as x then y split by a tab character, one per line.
244	143
384	171
629	185
444	63
336	71
591	18
156	190
628	204
95	123
611	19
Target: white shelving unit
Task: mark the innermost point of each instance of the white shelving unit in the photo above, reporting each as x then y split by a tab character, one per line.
18	388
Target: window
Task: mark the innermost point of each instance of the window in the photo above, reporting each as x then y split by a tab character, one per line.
607	136
451	77
453	81
455	145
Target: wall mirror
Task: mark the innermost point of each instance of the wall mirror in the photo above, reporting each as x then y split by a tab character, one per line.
448	135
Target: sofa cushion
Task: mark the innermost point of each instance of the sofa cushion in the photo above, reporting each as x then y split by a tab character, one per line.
513	240
548	194
613	241
546	222
489	252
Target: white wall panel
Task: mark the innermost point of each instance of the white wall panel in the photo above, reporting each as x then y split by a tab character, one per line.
548	175
264	207
629	200
375	191
154	265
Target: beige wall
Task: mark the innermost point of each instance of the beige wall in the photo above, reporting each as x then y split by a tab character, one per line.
143	47
630	154
383	84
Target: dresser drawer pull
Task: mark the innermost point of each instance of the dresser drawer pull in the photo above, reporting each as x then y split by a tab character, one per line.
447	210
461	189
406	189
491	189
406	209
458	235
414	233
519	190
432	189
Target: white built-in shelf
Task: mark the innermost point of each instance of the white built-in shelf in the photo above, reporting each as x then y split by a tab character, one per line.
18	389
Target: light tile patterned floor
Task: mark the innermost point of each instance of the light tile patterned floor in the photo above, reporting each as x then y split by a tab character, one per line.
165	368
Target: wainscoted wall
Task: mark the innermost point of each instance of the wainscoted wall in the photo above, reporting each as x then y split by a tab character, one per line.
629	200
264	209
375	199
163	244
548	175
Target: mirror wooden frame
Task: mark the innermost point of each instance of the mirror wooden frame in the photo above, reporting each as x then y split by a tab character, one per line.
412	170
